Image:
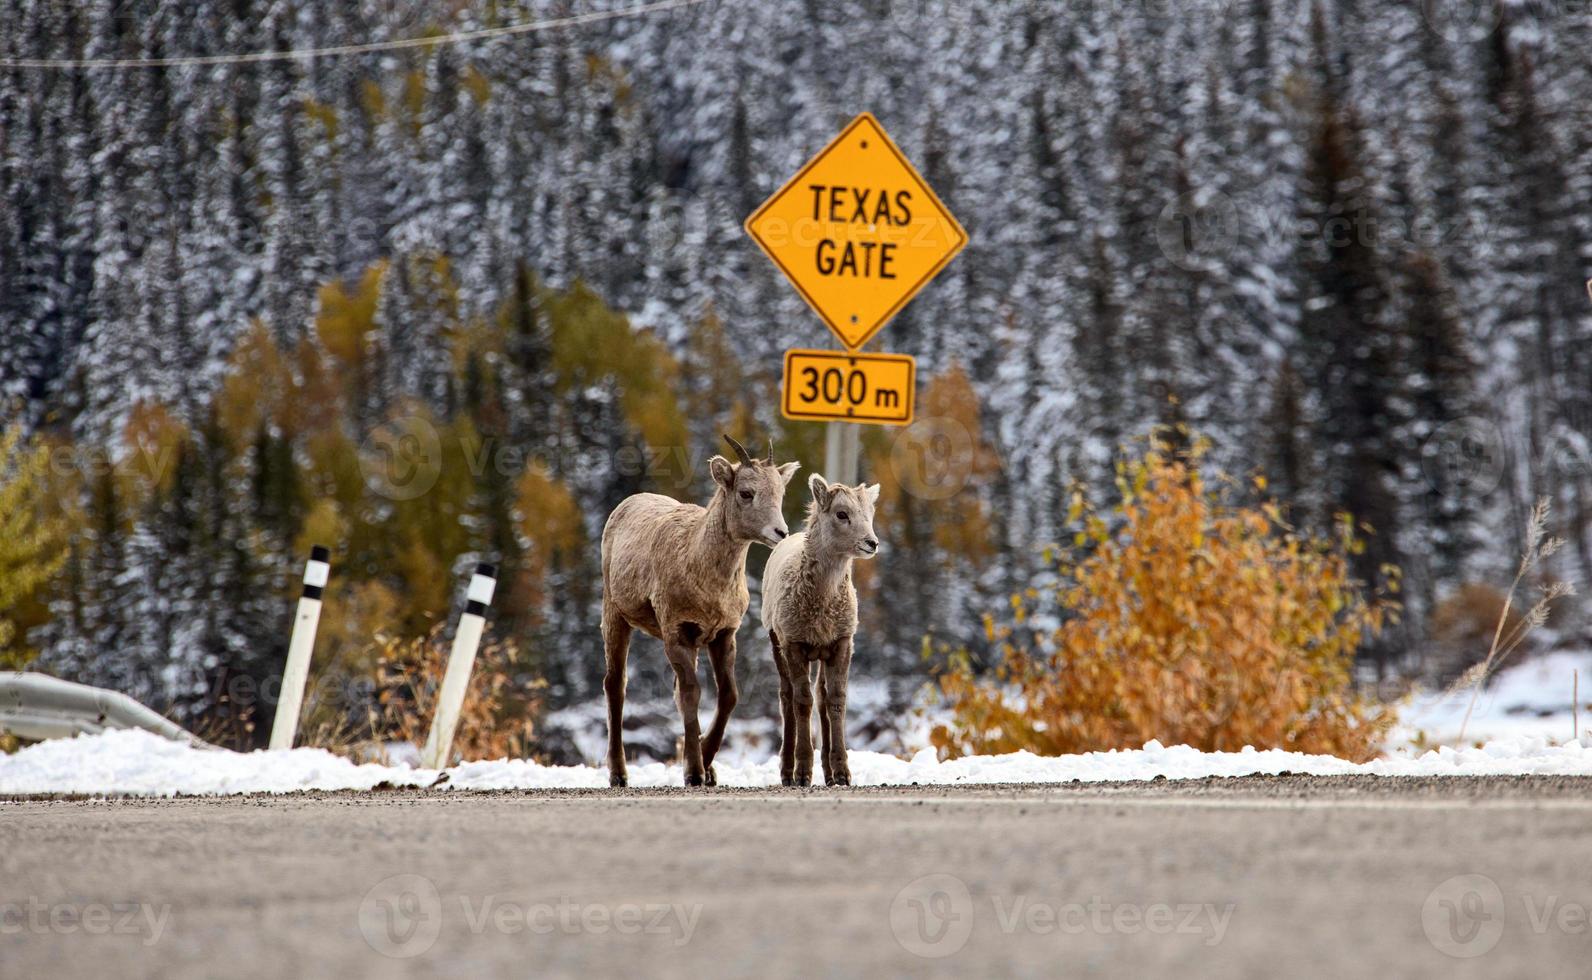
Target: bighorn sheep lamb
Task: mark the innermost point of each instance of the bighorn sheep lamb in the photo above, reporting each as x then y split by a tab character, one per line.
678	572
810	612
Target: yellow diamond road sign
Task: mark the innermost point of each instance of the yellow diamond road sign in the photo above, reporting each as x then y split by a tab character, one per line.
857	232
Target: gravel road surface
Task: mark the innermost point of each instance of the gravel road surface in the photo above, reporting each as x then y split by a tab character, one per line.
1258	877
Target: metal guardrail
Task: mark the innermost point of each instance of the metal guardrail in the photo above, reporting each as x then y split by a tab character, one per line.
38	706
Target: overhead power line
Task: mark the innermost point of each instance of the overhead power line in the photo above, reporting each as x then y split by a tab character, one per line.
305	54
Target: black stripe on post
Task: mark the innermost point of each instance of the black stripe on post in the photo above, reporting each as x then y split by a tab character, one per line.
316	571
480	593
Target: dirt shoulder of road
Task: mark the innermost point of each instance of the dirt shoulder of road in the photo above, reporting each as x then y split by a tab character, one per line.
1273	789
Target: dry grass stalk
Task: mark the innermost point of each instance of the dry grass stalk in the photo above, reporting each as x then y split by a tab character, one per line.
498	718
1539	548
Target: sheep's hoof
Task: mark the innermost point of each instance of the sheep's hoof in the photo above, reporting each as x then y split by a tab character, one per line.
618	779
803	779
786	779
710	777
693	779
837	779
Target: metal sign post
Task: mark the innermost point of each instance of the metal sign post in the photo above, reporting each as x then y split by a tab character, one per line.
842	446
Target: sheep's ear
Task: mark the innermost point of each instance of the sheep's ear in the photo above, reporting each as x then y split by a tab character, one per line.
822	492
787	471
723	472
872	493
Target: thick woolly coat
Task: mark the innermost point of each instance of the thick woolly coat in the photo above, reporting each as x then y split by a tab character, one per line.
808	594
667	562
808	597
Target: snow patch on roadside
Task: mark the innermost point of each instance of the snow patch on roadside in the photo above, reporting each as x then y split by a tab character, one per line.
1531	698
140	764
875	721
1523	719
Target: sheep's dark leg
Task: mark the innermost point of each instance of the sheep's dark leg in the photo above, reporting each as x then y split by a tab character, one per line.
721	652
688	695
802	699
836	674
823	723
616	648
787	716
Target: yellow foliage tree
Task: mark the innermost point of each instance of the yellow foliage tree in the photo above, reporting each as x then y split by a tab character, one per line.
932	514
596	345
259	388
1187	618
154	437
347	314
549	517
32	546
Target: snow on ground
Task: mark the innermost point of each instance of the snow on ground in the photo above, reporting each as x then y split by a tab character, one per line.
1523	719
875	722
586	727
1531	698
141	764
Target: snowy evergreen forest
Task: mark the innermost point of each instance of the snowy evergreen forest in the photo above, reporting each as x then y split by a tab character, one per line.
1345	240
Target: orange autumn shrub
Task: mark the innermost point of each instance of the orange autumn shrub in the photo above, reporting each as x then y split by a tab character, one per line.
497	720
1179	616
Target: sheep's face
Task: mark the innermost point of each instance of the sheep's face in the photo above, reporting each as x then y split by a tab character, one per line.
841	519
755	496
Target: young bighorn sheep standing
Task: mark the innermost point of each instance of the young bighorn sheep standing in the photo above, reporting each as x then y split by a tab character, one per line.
810	612
678	572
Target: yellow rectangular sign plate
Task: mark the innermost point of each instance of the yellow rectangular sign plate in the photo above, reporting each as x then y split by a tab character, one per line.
857	231
835	386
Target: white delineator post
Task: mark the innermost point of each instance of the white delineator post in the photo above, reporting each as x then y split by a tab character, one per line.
461	661
290	702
